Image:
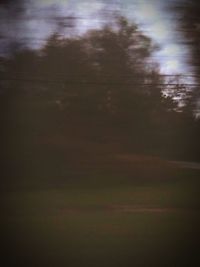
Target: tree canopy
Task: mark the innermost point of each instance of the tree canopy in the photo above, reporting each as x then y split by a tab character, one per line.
103	83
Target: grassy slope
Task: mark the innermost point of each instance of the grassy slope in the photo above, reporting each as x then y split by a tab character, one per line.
144	216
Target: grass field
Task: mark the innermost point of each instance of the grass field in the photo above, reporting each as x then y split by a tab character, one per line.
105	220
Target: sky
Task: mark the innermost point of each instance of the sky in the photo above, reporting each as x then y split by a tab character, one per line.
28	23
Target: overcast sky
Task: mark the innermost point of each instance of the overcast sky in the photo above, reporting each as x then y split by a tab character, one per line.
28	23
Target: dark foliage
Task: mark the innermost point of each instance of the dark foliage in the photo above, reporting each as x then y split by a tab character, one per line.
98	93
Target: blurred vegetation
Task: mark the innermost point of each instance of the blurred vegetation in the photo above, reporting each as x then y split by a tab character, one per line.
88	96
85	123
189	27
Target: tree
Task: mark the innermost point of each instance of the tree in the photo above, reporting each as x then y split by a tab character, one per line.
190	29
102	80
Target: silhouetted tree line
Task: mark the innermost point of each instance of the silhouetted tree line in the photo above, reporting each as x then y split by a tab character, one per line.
102	87
189	26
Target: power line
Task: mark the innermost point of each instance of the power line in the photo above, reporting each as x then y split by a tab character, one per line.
95	83
62	74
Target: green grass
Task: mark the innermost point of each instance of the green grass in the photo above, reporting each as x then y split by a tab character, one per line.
85	223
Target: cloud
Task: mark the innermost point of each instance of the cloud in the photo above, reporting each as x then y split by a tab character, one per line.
50	2
29	23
